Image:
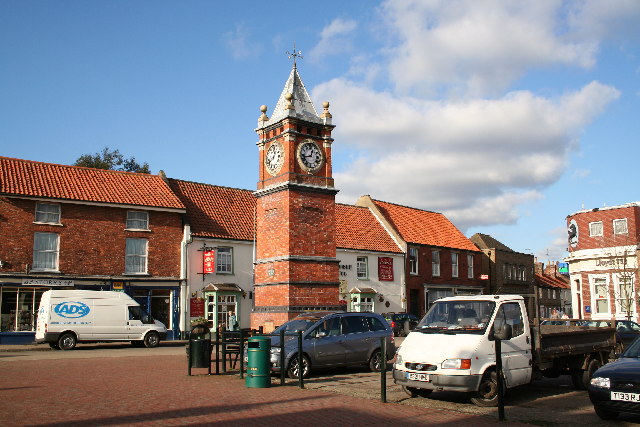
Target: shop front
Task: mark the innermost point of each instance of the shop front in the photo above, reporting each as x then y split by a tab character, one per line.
221	302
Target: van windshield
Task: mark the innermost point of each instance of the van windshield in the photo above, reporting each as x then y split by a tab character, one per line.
457	317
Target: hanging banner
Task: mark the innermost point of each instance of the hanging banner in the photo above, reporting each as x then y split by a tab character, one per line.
209	262
385	268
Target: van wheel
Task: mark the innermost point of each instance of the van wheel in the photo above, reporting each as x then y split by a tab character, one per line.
67	341
152	339
487	394
54	345
376	361
416	392
292	371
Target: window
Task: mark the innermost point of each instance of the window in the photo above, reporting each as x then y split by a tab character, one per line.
511	314
136	256
600	295
47	213
224	261
624	295
354	324
435	263
620	226
137	220
226	303
595	228
413	260
470	266
362	268
454	265
45	251
362	302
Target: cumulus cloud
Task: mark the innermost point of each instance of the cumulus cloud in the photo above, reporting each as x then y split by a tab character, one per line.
334	39
239	44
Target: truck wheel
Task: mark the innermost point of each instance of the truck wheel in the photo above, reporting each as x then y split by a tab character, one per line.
487	394
67	341
416	392
292	371
593	366
152	339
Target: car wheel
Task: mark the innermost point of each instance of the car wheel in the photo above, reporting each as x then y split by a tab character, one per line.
292	371
376	361
152	339
67	341
54	345
605	414
416	392
487	394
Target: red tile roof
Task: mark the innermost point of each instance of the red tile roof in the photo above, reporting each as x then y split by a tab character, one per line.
424	227
218	212
357	228
35	179
551	282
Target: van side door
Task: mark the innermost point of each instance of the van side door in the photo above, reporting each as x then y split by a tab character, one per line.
136	326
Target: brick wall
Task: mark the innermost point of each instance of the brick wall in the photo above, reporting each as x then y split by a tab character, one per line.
92	239
608	238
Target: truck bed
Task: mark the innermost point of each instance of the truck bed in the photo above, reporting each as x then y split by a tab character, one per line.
554	341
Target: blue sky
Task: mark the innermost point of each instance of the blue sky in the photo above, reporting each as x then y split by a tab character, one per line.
505	115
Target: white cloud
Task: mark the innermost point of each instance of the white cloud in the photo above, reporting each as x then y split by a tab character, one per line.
334	40
238	43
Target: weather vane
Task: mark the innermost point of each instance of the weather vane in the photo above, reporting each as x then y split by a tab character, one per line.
295	54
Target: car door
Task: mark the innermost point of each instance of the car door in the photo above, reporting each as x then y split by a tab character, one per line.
327	342
357	339
516	352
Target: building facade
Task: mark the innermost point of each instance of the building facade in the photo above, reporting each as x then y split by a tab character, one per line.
67	227
603	261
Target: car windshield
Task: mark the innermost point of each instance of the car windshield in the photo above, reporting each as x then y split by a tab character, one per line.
295	325
633	351
457	317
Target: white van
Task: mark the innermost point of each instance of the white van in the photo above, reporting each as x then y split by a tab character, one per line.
66	317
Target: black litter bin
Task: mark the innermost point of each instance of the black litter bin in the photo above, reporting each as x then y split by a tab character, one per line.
199	348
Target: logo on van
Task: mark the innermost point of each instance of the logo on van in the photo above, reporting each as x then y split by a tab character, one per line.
72	309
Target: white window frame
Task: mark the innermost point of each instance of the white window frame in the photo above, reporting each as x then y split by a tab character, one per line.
619	297
137	223
40	255
363	303
595	228
224	260
362	268
136	262
620	221
469	266
435	263
45	210
603	281
454	264
413	260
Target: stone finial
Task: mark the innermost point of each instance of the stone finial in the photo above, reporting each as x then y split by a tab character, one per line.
326	113
263	117
289	98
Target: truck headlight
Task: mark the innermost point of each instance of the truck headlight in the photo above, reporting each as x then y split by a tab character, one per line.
601	382
456	364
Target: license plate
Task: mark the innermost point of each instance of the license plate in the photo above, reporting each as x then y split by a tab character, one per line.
417	377
627	397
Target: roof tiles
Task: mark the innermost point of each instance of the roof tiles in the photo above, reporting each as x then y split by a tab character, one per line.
357	228
47	180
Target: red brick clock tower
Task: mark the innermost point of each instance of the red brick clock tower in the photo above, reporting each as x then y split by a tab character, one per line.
296	266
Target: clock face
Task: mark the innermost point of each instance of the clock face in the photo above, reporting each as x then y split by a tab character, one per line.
274	158
310	156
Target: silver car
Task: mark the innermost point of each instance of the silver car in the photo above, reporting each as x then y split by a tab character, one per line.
333	339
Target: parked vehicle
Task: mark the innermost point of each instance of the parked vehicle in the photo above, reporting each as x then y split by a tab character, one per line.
453	349
333	339
401	323
626	331
66	317
615	387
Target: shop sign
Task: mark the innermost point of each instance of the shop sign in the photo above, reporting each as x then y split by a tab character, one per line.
47	282
344	267
587	309
385	268
209	261
196	307
484	277
118	286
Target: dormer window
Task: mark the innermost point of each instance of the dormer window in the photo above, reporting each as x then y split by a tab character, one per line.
47	213
137	220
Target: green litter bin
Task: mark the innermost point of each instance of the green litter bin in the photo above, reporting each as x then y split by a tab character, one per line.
258	367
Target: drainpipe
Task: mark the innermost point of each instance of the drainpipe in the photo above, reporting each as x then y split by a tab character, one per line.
184	282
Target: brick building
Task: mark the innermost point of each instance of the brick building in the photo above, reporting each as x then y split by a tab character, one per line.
80	228
554	291
603	246
439	260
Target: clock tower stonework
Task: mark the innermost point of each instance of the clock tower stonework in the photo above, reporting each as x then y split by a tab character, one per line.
296	266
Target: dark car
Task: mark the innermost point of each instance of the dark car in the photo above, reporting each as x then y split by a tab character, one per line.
626	331
333	339
401	323
615	387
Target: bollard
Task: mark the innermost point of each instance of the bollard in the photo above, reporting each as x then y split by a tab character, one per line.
283	371
217	352
241	349
383	370
300	367
499	378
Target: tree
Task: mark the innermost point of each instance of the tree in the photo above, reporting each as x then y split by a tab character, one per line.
107	159
623	261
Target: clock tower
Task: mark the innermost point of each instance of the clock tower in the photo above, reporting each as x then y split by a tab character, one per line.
296	266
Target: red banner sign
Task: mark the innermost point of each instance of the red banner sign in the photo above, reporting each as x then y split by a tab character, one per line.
196	307
209	262
484	277
385	268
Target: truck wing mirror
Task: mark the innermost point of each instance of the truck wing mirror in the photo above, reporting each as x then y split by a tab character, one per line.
502	332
